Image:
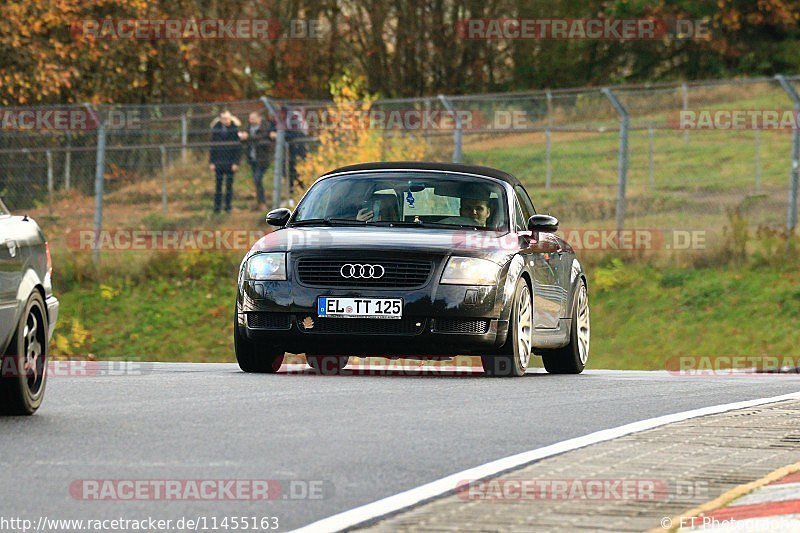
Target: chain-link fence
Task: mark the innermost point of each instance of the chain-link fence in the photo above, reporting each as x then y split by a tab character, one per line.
670	155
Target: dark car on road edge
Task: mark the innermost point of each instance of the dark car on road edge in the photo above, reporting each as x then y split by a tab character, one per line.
413	260
28	313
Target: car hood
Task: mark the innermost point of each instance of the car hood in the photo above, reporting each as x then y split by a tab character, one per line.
492	245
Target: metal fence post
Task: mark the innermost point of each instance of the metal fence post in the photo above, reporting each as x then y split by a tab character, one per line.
758	160
457	153
685	94
68	163
99	173
49	155
287	163
791	216
280	142
622	165
164	179
184	136
287	173
650	154
548	171
427	104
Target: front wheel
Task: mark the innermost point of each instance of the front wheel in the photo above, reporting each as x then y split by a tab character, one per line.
255	357
571	359
23	372
516	352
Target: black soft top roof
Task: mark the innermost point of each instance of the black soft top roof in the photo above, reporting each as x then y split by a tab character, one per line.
426	165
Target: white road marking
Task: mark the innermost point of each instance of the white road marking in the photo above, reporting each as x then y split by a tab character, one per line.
392	504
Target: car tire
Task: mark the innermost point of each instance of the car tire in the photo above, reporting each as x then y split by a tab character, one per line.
327	365
516	352
255	357
571	359
24	365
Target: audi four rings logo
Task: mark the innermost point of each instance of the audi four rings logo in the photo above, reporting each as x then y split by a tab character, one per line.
356	271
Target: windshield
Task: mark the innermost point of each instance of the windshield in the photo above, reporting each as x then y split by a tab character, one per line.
406	199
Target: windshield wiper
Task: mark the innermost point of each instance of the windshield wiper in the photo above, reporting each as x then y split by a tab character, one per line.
461	226
383	223
326	222
421	224
403	223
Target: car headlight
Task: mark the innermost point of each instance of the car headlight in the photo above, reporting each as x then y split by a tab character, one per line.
470	271
270	266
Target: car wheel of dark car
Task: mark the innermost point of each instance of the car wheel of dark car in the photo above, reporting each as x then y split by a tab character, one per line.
516	352
327	365
23	377
255	357
571	359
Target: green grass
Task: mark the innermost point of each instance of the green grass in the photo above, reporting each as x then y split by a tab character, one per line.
646	316
163	307
714	168
160	320
694	180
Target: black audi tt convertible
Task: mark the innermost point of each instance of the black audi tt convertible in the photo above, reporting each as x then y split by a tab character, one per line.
413	260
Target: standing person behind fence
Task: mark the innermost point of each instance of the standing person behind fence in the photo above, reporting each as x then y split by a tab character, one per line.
226	151
296	135
258	149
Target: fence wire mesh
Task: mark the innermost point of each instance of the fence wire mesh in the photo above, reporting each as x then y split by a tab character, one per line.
564	145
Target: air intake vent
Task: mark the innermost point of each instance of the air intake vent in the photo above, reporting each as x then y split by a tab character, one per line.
476	326
319	272
258	320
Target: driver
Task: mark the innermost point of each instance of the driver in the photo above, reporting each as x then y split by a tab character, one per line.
475	204
477	210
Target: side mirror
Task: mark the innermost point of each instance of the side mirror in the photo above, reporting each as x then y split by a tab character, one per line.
278	217
544	223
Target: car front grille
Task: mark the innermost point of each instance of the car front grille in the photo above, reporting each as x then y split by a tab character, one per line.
362	326
477	326
322	272
260	320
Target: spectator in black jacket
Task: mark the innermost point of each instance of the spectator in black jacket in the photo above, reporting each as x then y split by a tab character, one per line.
297	152
258	150
226	151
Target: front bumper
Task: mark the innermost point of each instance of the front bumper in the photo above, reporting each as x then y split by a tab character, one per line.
52	315
438	320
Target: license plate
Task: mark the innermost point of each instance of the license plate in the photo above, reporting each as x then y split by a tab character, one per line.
335	307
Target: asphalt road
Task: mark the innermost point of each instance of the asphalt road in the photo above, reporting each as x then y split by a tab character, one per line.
355	438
